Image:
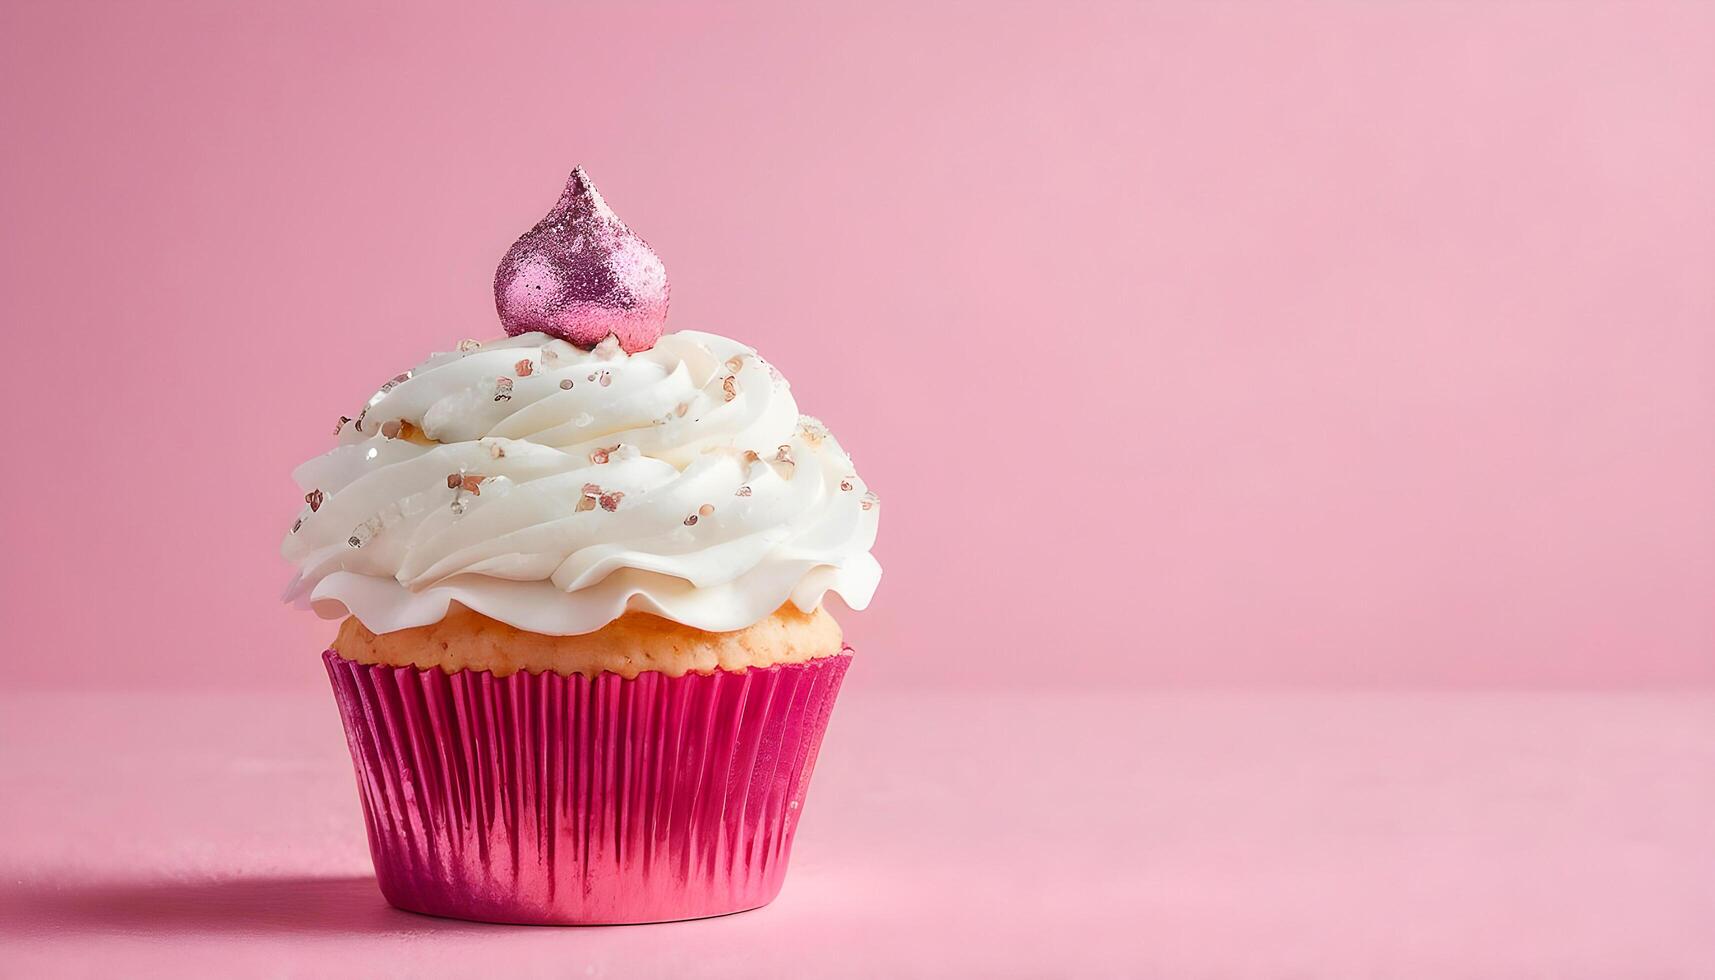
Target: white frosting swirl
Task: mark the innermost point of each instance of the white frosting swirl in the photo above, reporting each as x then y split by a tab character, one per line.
679	481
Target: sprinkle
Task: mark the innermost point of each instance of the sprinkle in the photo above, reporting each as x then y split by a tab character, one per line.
743	491
566	385
549	355
297	524
610	501
467	346
609	348
783	462
750	456
457	507
681	410
707	510
592	376
606	379
691	521
360	416
496	451
812	428
503	389
730	386
599	456
870	500
846	484
314	498
735	362
340	425
398	429
524	368
395	381
588	501
364	533
470	483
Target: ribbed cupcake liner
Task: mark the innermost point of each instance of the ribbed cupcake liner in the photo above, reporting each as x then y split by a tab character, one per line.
539	798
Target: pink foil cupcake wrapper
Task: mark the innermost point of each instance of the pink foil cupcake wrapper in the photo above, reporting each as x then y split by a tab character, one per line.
539	798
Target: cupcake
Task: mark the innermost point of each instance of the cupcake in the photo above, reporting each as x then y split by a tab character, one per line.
584	664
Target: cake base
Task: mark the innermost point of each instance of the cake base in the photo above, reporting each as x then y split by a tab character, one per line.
553	799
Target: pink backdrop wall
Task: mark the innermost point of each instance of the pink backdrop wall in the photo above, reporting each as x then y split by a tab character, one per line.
1323	344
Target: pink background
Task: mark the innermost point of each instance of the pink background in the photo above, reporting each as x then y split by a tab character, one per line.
1334	344
1296	347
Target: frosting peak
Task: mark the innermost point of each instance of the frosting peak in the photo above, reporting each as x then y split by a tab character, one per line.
554	488
581	275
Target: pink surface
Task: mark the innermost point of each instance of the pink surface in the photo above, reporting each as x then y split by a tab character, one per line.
1438	836
1311	343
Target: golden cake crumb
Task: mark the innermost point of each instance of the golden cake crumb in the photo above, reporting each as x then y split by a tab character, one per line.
634	643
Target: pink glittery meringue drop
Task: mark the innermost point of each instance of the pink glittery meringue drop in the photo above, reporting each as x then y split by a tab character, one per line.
581	275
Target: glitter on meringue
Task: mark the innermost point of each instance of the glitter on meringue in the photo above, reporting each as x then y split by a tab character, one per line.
364	533
591	492
580	274
813	429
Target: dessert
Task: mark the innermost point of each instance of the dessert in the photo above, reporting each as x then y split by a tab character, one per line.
585	663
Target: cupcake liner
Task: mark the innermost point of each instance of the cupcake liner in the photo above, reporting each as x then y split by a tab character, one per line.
539	798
